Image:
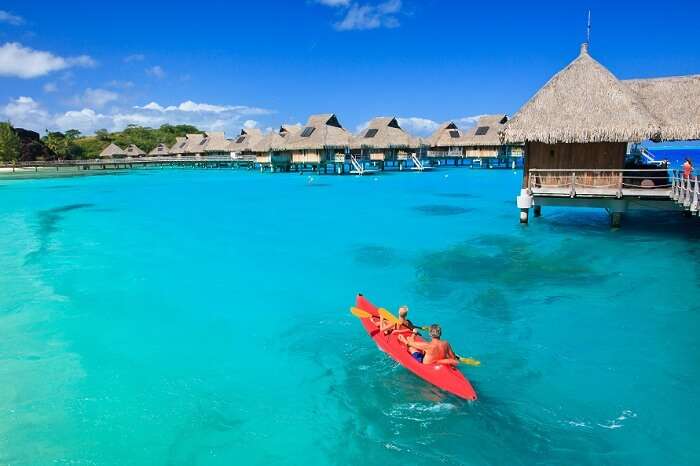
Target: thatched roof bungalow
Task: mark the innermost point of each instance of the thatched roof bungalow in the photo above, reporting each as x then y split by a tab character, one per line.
271	148
483	140
215	143
383	139
178	148
583	118
446	140
674	101
132	150
161	150
112	151
322	139
244	143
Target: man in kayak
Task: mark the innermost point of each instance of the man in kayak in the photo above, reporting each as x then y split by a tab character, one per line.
436	351
402	324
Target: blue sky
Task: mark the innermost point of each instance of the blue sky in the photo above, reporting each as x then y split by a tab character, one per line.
222	65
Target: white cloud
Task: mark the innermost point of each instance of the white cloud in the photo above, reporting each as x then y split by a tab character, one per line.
25	112
134	57
9	18
156	71
370	16
418	126
194	107
97	98
50	87
85	120
466	122
19	61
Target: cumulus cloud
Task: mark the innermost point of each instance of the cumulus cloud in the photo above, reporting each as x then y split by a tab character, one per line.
23	62
190	106
466	122
363	17
134	57
9	18
25	112
97	98
417	125
156	71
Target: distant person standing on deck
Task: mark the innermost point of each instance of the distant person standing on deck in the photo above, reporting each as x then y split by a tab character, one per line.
687	168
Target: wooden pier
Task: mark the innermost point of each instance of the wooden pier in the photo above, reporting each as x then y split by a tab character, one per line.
617	191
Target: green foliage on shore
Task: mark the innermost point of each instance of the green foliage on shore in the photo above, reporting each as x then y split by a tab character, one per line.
72	145
9	143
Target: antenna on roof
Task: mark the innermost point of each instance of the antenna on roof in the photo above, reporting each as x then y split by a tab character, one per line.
588	30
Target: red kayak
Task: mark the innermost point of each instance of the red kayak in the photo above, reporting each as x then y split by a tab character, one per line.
442	376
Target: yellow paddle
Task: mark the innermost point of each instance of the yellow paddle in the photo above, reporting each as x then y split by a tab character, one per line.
392	319
357	312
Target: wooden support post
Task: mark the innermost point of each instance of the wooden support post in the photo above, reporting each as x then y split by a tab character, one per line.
615	219
538	211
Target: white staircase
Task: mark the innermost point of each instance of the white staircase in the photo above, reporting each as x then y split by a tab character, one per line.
418	165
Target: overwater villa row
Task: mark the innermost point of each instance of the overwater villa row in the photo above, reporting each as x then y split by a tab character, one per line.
577	129
323	140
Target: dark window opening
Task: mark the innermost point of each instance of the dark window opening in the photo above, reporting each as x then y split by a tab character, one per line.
371	133
240	139
481	130
454	134
307	131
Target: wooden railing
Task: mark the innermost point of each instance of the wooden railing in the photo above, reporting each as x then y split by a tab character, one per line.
592	182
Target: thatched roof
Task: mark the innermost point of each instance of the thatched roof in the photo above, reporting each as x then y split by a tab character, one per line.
160	150
215	141
112	150
447	135
674	101
194	144
321	131
584	102
246	140
276	140
132	150
383	133
486	132
179	146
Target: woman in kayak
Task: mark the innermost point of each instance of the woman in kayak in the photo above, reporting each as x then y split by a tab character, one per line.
436	351
402	324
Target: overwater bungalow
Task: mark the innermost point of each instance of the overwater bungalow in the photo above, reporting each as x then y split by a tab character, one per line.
132	150
161	150
446	141
215	143
112	151
270	150
576	131
483	141
242	146
323	139
384	140
194	144
178	149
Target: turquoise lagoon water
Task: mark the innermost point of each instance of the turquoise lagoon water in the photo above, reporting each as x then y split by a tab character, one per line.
201	317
